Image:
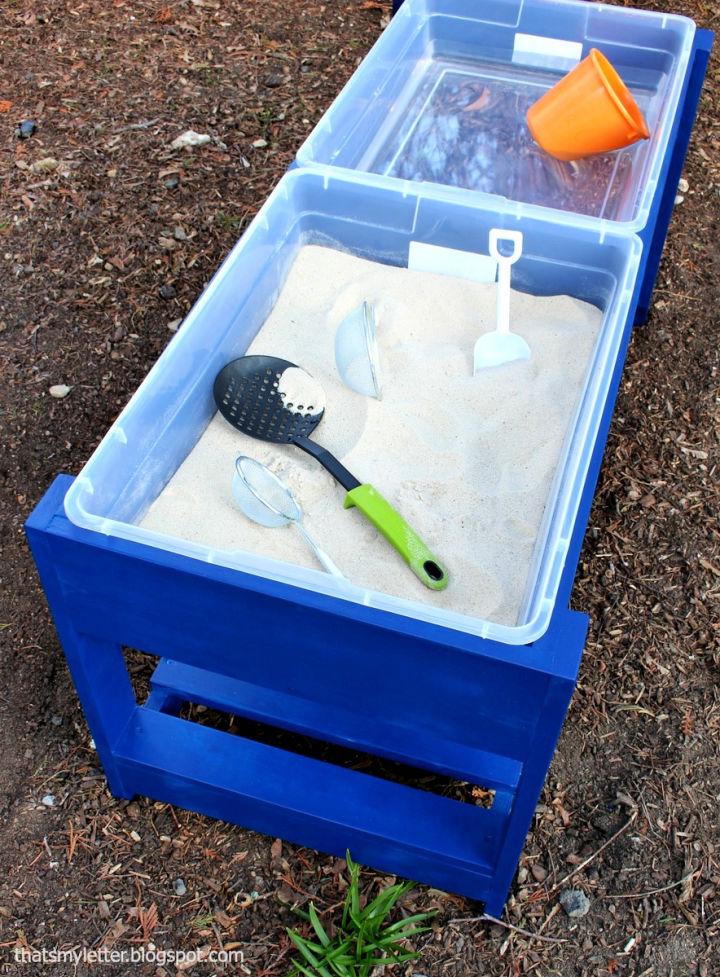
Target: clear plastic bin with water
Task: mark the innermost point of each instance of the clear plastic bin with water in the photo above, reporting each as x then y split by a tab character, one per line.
442	98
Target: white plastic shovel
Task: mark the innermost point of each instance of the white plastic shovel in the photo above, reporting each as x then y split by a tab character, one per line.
502	346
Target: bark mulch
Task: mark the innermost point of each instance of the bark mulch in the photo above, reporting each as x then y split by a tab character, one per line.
102	250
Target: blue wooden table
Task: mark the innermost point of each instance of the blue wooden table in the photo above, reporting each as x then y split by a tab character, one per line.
447	702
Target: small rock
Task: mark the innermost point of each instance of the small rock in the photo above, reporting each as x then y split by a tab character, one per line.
274	81
112	173
59	390
679	199
168	292
174	325
172	183
26	129
190	138
683	185
46	165
179	887
245	162
575	903
48	800
56	720
260	143
166	243
179	233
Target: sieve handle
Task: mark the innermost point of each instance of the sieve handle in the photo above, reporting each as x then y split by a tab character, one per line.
421	560
319	552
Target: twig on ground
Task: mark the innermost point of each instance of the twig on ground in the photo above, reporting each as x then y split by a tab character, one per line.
510	926
555	909
590	858
651	892
140	125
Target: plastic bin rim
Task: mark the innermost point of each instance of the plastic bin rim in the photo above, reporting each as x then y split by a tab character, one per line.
408	8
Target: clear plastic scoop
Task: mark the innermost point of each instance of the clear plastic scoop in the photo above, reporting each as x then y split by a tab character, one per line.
265	499
356	351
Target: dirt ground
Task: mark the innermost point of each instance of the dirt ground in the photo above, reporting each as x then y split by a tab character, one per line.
99	254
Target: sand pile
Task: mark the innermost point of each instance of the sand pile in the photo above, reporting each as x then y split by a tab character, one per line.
469	461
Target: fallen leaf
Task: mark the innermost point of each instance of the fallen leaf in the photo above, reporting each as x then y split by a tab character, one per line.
539	872
113	934
480	102
371	5
163	16
5	106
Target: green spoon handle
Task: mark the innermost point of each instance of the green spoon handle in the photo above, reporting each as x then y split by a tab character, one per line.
421	560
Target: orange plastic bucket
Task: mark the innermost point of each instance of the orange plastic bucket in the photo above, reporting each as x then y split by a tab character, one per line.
589	111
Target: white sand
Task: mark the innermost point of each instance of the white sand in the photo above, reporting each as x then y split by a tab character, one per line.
468	461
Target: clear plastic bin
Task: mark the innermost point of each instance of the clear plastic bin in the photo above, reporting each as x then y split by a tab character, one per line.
442	98
378	221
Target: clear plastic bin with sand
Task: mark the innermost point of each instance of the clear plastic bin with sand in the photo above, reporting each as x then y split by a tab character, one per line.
468	460
491	471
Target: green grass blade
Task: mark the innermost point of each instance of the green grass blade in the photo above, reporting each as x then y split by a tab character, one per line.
417	917
298	968
318	926
305	950
408	920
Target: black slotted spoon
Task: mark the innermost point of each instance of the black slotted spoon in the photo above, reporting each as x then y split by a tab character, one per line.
248	393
